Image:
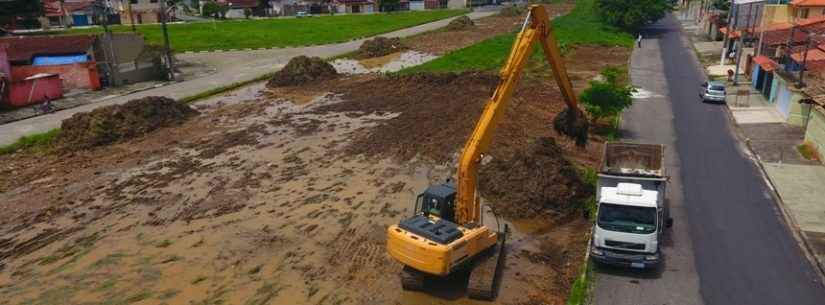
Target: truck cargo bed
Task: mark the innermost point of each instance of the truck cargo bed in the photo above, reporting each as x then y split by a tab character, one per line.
631	159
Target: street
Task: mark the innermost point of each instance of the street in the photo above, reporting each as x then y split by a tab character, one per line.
729	243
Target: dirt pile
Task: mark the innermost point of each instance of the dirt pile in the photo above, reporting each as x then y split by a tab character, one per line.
441	109
380	46
460	23
512	11
301	70
573	124
114	123
533	181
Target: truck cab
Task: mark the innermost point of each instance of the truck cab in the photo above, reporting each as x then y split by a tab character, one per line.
632	213
628	226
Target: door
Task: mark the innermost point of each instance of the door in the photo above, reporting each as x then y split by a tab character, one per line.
356	8
757	77
783	101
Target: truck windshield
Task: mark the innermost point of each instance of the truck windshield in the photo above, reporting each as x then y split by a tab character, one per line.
628	219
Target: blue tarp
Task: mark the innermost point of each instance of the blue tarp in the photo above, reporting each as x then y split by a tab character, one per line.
59	59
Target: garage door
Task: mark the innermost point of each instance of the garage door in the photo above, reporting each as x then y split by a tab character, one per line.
783	101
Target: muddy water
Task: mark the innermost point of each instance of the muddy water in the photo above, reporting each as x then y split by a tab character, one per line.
389	63
260	206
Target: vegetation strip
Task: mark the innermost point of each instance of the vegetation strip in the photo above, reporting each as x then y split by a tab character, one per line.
269	33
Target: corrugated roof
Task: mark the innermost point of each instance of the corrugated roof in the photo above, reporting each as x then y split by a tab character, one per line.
766	63
23	48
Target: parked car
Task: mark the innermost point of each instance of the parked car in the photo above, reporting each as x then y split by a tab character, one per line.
713	91
302	14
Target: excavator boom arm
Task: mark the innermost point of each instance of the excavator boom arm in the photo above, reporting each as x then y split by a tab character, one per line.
536	28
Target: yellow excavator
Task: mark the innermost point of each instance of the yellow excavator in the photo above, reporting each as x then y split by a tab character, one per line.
446	232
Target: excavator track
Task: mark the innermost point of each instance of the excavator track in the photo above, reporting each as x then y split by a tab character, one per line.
485	275
412	279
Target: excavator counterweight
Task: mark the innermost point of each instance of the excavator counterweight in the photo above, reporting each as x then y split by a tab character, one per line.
446	232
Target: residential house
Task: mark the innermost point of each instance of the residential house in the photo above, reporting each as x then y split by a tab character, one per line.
354	6
804	9
238	8
141	11
785	54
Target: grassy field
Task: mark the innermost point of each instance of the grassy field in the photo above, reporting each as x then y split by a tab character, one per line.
580	26
239	34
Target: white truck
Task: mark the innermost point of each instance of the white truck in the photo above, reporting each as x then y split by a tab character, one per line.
632	214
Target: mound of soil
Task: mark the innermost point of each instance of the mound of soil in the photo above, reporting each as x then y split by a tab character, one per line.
437	112
114	123
573	124
302	69
380	46
460	23
512	11
533	181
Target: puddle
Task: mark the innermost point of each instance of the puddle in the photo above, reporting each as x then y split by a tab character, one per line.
390	63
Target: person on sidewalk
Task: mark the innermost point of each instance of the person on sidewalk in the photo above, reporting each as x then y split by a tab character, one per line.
639	41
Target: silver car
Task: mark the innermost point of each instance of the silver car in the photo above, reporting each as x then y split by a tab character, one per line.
713	91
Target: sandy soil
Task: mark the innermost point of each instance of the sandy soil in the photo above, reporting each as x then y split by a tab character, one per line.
265	198
255	201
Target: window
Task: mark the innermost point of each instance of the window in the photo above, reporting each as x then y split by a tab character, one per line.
629	219
803	13
153	1
133	1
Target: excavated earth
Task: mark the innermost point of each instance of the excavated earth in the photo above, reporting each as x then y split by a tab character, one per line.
281	195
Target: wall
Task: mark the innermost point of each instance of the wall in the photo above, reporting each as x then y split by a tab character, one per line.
812	11
776	13
132	64
796	112
24	93
815	133
73	76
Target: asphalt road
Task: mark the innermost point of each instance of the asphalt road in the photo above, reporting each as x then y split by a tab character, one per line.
729	243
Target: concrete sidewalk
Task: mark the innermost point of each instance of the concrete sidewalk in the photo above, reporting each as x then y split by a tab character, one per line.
233	67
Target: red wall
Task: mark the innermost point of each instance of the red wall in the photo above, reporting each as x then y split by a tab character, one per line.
28	92
74	76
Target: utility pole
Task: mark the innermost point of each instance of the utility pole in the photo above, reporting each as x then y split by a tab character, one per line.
102	8
731	11
167	53
131	15
804	62
742	37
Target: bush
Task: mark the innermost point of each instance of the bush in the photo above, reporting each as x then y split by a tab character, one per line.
632	15
608	97
214	9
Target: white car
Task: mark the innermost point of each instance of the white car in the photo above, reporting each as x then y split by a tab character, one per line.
713	91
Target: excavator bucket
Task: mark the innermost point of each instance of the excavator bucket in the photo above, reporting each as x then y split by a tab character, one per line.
573	123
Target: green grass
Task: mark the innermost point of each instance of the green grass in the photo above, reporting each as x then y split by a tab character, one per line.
579	290
808	150
38	142
267	33
580	27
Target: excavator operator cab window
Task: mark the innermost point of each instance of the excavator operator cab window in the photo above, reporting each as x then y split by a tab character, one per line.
437	201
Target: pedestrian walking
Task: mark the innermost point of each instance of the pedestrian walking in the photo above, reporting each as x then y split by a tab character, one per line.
639	41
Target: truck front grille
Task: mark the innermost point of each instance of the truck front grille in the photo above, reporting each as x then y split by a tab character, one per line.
624	245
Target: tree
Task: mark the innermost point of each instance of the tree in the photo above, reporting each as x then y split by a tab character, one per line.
247	12
606	97
632	15
214	9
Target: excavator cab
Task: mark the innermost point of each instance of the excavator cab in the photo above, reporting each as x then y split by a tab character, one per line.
437	200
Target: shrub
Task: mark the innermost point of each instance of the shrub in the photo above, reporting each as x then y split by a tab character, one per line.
608	97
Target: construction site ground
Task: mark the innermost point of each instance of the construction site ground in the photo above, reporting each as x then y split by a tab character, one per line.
283	196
